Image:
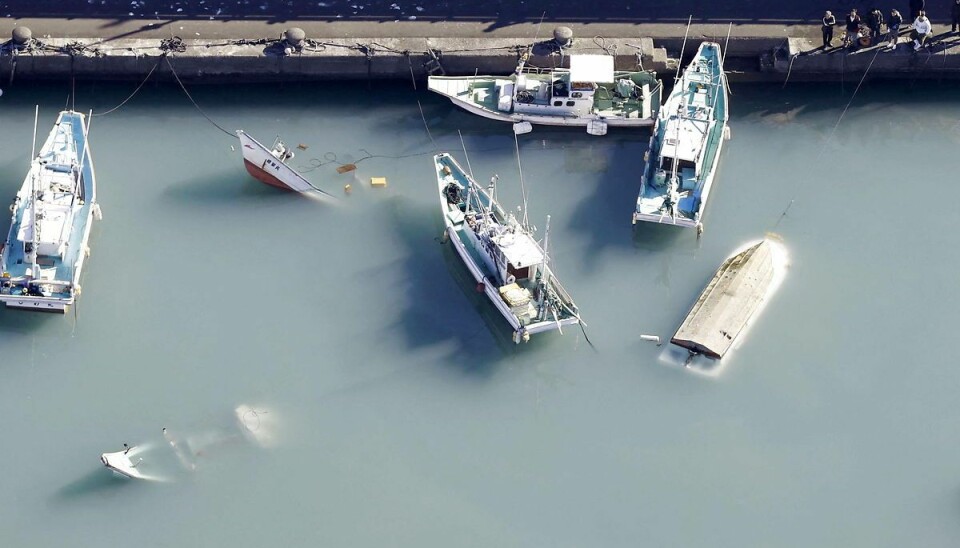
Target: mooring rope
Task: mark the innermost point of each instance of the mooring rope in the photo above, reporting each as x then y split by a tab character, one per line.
823	145
187	93
149	74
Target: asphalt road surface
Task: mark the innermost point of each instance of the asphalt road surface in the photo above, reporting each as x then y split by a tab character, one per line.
495	12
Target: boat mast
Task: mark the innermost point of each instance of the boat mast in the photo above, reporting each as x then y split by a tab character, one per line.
683	47
523	189
77	188
35	230
544	272
465	155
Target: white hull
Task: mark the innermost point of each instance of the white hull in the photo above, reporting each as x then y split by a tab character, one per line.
39	304
264	166
491	292
52	215
490	278
546	120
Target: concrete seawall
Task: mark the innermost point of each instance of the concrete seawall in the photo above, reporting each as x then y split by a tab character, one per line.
216	61
755	58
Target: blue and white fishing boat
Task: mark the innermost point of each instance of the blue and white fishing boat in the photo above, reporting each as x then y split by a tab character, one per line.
52	214
685	145
500	251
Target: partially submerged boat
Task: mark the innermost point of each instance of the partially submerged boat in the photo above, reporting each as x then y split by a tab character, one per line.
500	251
122	463
52	214
589	94
269	166
256	425
743	283
685	146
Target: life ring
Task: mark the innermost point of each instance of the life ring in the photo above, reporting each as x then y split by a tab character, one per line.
511	279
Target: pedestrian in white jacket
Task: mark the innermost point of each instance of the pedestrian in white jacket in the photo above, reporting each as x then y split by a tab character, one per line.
922	31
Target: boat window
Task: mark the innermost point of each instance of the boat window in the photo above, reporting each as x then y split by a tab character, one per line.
519	273
666	163
571	103
558	103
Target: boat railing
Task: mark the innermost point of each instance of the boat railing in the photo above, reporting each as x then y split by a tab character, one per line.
560	290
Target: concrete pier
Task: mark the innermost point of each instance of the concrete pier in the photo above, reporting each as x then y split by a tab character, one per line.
252	50
271	60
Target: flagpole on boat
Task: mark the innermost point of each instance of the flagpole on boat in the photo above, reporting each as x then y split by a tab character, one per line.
33	198
683	47
36	119
723	60
545	272
723	57
467	157
523	188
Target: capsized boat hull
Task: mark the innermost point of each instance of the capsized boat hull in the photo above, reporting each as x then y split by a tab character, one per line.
740	287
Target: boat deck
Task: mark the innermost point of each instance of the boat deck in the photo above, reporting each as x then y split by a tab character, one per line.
57	268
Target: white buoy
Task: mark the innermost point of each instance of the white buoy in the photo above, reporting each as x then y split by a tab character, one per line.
597	127
522	128
651	338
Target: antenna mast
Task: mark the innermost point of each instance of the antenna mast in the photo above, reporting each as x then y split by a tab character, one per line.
683	47
523	188
470	169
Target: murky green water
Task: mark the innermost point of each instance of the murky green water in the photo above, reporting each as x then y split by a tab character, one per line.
406	417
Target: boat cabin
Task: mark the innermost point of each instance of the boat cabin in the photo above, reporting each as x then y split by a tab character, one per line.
561	93
52	211
518	256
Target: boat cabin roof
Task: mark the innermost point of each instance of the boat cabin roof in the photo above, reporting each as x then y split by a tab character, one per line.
591	68
519	249
683	138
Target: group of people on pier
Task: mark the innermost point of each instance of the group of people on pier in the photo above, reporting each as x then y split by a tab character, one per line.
867	31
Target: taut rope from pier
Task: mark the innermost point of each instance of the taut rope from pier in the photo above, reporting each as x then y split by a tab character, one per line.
187	93
149	74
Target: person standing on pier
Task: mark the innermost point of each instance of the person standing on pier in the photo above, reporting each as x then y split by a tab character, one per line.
828	22
954	15
893	28
922	31
853	28
875	22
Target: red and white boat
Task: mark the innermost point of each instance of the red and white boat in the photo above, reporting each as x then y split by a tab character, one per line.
269	166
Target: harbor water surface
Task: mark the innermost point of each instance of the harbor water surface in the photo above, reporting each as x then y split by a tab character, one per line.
406	416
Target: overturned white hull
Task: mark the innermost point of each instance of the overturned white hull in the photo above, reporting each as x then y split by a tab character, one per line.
126	463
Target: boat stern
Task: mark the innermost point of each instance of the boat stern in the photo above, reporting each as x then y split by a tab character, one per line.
54	305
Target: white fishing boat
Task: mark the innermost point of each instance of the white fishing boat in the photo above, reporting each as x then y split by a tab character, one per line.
52	214
685	146
508	264
589	94
269	166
